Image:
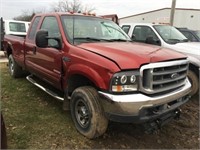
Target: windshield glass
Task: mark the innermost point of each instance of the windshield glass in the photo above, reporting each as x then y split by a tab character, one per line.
79	29
170	34
198	33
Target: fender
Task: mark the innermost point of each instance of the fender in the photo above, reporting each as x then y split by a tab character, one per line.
87	72
195	61
6	45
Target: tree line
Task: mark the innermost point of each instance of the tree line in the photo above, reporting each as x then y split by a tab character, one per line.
60	6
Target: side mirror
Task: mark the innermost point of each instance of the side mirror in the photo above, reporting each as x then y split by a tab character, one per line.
133	37
41	39
151	40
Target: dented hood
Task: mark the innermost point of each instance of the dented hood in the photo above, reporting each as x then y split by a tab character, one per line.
128	55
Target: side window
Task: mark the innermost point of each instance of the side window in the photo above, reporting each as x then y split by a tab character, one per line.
51	25
141	33
33	29
189	36
126	28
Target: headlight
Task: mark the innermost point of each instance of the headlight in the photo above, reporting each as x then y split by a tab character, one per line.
125	81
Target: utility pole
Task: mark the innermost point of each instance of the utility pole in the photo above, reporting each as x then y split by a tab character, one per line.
172	12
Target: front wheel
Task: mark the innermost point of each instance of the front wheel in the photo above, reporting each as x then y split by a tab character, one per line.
194	81
87	113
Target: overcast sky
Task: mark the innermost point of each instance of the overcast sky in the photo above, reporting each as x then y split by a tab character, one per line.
13	8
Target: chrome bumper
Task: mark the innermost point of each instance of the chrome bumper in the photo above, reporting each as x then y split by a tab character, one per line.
133	104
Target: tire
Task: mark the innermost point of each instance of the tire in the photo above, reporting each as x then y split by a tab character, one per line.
194	81
15	70
87	113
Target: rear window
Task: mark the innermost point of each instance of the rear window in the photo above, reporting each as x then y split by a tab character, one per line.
17	27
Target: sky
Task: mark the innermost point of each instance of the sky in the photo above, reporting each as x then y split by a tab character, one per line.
13	8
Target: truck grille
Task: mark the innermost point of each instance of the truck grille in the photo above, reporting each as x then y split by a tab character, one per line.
163	76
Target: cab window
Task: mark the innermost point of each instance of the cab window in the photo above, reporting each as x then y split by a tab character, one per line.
50	24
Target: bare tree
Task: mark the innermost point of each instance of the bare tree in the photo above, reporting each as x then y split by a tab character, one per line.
71	5
28	15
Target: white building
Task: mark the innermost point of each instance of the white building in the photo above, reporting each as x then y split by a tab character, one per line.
189	18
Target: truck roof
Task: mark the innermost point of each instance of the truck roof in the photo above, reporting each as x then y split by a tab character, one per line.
68	13
147	24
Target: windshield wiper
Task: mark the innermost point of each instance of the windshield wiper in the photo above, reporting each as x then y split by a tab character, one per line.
91	39
185	40
174	41
119	40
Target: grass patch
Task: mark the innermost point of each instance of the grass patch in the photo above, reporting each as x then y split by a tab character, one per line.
33	118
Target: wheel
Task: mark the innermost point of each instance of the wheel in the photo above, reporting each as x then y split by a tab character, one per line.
15	70
87	113
194	81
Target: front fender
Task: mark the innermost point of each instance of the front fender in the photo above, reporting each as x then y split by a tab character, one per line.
195	60
99	76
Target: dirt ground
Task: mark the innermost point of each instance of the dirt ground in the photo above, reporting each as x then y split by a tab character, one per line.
183	133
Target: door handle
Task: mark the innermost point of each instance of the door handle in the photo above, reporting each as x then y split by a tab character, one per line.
34	50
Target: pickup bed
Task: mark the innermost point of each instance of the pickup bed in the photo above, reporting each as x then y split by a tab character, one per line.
168	37
91	65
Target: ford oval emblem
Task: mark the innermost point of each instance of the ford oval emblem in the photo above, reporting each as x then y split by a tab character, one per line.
174	75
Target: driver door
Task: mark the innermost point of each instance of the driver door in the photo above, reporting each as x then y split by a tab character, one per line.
48	60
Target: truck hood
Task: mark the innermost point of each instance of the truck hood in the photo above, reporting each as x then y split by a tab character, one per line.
188	47
128	55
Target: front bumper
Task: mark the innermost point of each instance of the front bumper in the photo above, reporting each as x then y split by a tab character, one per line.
138	108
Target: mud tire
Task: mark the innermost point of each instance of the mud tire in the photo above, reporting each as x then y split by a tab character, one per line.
87	113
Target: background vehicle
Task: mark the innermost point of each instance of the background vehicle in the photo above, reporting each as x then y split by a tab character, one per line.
91	64
13	27
168	37
191	35
3	134
2	32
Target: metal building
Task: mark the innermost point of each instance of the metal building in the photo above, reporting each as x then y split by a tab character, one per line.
183	17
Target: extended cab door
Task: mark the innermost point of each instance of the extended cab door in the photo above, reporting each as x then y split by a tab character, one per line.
46	62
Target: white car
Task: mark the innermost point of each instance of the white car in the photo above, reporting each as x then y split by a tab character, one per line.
169	37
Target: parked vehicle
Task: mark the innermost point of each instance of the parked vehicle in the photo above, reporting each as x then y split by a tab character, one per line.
92	66
168	37
3	134
191	35
112	17
13	27
2	32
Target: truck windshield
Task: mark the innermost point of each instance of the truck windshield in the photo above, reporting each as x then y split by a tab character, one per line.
79	29
170	34
198	33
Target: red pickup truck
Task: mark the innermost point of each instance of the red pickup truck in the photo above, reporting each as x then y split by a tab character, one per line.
98	72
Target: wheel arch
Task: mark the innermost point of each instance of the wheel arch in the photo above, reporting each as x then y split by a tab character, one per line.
8	49
194	68
81	75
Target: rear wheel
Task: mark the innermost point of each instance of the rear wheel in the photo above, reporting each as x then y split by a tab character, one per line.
87	113
194	81
15	70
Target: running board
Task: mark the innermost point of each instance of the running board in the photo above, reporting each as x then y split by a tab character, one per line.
39	84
